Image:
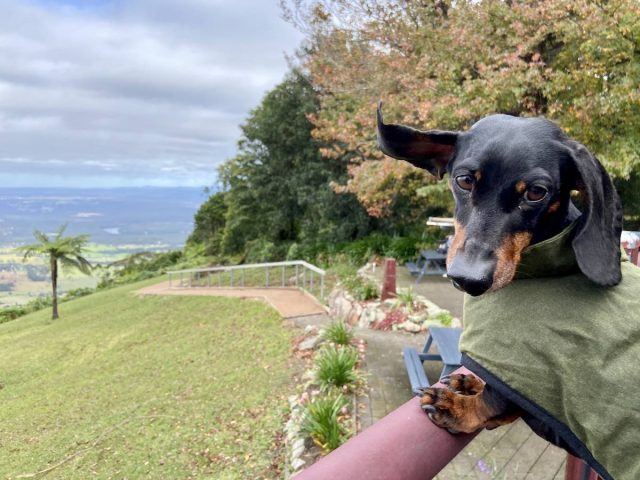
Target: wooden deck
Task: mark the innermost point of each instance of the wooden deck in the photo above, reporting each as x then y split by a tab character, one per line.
512	452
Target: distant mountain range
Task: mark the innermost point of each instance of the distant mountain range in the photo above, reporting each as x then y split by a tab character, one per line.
121	216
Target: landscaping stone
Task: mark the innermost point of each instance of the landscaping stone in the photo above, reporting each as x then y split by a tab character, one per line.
297	464
383	315
418	318
297	449
410	326
311	342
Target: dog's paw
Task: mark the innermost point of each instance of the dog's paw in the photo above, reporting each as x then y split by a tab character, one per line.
463	384
455	412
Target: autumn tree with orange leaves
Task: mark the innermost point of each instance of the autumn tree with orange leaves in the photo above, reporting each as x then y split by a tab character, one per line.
444	64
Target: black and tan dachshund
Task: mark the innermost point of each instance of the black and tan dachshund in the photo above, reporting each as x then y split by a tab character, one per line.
512	180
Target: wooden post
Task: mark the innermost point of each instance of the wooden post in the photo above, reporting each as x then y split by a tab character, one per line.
389	279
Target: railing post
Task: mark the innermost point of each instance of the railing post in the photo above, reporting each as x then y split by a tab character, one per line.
189	279
304	277
321	288
209	279
267	277
311	282
219	278
231	278
283	276
242	277
297	275
577	469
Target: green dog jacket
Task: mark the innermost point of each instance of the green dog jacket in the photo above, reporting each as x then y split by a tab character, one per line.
567	352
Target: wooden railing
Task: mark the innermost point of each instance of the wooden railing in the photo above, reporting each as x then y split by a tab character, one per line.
297	273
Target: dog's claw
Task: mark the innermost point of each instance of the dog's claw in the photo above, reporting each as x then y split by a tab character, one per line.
446	380
453	431
428	408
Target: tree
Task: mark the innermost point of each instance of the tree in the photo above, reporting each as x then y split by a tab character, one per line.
66	251
445	64
209	223
277	189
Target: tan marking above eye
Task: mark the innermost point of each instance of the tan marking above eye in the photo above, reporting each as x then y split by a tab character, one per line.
478	175
521	186
554	207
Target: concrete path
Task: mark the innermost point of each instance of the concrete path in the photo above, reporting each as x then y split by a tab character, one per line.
289	302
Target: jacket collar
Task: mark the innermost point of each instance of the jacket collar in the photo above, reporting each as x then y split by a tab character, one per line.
551	257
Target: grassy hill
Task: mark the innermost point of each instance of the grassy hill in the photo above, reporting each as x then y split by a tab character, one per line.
154	387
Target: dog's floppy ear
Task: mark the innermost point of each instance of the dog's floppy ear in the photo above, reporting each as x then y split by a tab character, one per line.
597	240
430	150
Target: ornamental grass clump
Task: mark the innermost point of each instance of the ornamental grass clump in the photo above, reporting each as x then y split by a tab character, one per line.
321	421
339	333
406	298
335	367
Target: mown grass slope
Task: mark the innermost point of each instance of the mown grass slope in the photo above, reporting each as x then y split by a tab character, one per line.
155	387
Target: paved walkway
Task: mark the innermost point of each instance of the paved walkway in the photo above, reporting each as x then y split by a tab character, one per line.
289	302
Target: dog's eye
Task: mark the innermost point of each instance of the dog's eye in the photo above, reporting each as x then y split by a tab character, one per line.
465	182
535	193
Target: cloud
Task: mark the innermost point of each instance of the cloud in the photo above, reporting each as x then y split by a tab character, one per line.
132	92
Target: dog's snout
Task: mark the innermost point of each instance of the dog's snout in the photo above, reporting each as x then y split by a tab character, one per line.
474	278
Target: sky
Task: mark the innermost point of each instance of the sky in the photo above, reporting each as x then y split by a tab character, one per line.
120	93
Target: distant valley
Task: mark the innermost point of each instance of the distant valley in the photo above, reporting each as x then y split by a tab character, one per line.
119	221
160	216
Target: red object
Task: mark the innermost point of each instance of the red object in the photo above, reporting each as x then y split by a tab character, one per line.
632	252
404	445
389	281
578	470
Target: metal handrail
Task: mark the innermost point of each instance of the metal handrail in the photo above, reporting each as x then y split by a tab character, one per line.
306	280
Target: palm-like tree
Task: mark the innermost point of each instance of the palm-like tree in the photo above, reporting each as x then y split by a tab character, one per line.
66	251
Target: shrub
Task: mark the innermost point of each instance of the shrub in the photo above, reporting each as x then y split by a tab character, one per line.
403	249
360	288
260	250
335	367
360	251
11	313
339	333
77	293
321	421
406	298
444	318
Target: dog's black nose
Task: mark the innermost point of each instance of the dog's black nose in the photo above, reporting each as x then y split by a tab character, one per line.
475	279
473	286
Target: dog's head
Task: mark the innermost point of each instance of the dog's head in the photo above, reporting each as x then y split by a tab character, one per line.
512	179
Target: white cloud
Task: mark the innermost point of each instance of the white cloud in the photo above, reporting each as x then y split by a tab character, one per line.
150	91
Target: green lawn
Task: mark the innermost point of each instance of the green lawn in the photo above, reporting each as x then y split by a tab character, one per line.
154	387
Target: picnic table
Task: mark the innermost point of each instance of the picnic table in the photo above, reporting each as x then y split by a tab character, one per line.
429	262
446	341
